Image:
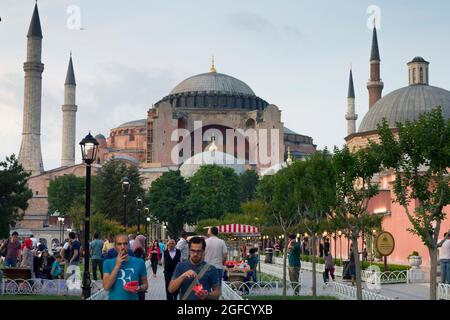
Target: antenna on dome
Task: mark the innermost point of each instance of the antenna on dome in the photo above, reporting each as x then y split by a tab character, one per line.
212	69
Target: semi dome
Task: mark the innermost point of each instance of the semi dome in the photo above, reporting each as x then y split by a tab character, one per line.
406	104
213	82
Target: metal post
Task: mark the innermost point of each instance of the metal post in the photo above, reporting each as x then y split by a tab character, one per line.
125	212
139	220
86	292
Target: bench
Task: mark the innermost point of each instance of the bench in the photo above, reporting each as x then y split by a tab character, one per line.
16	273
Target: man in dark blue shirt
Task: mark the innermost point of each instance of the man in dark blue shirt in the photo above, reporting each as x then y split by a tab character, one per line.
190	274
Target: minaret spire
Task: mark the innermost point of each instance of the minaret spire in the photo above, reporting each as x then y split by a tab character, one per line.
375	85
69	110
350	116
30	155
213	68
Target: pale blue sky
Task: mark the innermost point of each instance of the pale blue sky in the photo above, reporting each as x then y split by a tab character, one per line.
295	54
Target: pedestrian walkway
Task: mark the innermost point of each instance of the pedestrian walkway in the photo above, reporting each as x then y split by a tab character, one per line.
156	286
401	291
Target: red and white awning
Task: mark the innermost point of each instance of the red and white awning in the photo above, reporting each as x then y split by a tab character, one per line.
238	229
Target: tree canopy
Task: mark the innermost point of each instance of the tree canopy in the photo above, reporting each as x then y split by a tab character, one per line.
64	192
167	201
215	191
14	193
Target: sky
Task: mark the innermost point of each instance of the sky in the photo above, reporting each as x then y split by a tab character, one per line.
295	54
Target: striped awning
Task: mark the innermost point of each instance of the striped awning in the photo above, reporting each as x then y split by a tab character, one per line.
238	229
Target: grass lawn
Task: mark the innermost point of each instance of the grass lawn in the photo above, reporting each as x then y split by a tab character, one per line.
290	298
37	297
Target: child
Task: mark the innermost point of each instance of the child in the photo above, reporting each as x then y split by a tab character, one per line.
56	267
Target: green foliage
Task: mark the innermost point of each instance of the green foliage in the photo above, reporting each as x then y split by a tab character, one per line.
167	198
249	181
14	193
420	156
414	254
104	226
64	192
107	191
215	191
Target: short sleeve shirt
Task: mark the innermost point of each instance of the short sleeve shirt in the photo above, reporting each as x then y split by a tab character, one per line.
97	246
12	251
214	251
75	246
131	270
294	256
209	279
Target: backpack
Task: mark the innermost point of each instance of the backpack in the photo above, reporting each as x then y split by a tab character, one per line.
4	248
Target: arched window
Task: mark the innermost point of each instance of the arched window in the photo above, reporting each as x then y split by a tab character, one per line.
421	75
414	75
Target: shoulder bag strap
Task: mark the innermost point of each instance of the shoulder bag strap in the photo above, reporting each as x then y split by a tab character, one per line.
198	277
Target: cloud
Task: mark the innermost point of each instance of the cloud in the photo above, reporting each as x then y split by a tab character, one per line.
254	23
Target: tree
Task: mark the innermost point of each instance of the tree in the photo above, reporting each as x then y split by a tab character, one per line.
354	188
420	157
167	201
276	192
249	181
315	195
215	191
14	193
107	191
64	192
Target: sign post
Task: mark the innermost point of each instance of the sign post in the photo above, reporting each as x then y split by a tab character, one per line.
385	245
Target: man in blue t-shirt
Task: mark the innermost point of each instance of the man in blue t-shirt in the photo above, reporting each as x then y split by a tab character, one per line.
195	271
123	269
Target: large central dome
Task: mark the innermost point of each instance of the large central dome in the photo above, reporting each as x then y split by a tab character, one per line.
213	90
213	82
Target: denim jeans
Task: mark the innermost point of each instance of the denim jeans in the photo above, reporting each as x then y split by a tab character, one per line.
220	276
11	263
445	270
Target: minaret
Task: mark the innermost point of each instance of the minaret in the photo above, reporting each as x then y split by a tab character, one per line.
375	85
350	116
69	110
30	155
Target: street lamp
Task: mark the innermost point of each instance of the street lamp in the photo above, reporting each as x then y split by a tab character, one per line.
89	147
139	206
125	190
340	244
146	232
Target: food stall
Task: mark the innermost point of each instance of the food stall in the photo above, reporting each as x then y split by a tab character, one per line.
235	236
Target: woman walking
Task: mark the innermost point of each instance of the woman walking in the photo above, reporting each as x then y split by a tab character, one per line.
329	267
139	252
154	254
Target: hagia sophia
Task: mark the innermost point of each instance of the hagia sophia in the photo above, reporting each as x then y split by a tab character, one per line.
220	102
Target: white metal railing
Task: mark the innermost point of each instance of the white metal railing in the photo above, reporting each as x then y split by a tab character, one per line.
345	292
42	287
387	277
228	293
443	292
264	288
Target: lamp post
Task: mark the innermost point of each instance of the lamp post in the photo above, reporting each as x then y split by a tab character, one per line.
340	244
147	232
89	147
125	190
139	207
334	238
61	230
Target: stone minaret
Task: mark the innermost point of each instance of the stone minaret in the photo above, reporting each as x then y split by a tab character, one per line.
350	116
30	155
69	110
375	85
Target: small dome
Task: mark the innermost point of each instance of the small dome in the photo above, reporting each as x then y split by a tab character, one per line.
418	59
191	165
213	82
406	104
135	123
100	137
